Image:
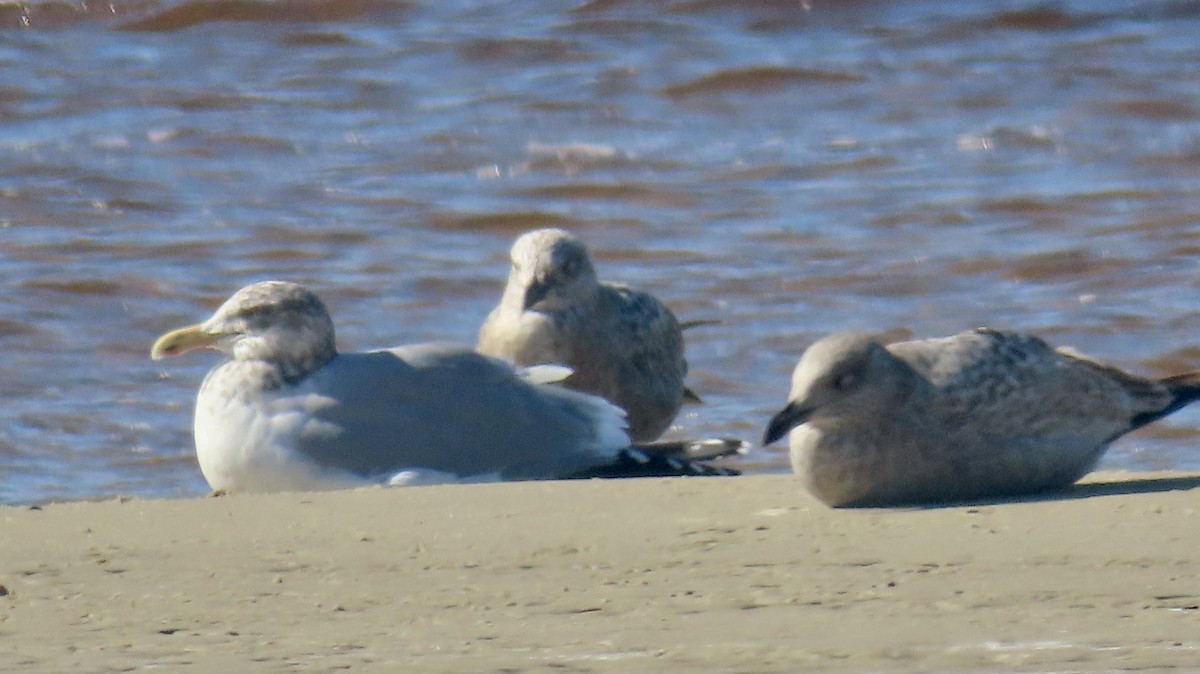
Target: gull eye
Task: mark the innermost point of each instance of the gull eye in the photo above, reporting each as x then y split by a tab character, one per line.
845	381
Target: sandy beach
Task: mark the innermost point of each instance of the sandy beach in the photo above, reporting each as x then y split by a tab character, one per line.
688	574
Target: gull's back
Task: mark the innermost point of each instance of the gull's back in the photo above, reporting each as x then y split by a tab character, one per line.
1013	388
635	360
440	410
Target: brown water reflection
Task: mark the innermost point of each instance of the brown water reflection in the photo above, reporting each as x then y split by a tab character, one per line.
786	168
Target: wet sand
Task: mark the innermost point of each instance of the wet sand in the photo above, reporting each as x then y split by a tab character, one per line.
716	574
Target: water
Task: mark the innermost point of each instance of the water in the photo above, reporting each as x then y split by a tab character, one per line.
790	168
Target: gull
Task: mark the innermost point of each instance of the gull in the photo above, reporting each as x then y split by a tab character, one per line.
976	415
287	412
622	344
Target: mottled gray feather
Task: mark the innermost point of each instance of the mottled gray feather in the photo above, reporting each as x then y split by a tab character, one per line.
982	413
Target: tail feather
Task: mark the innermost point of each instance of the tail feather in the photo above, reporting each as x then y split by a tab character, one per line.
1184	389
688	325
1186	385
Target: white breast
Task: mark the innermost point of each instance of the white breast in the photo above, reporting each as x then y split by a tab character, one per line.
247	445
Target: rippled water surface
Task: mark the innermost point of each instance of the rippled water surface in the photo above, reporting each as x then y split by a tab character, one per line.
790	168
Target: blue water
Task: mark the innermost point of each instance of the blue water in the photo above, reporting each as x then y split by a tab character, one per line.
791	170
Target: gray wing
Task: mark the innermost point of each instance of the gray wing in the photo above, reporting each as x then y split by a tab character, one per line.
981	358
1010	384
641	365
450	409
646	334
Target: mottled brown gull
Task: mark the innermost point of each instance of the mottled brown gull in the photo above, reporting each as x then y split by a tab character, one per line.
288	412
976	415
622	344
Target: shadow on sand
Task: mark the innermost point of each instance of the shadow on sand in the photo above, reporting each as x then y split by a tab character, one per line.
1148	485
1132	485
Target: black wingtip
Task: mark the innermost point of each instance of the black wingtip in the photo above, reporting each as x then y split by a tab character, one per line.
1185	387
1185	390
636	462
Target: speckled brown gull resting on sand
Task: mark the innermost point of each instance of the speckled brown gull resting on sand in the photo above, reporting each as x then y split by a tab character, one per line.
976	415
622	344
289	413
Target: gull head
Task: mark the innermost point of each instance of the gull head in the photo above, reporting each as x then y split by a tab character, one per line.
847	374
272	321
551	270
